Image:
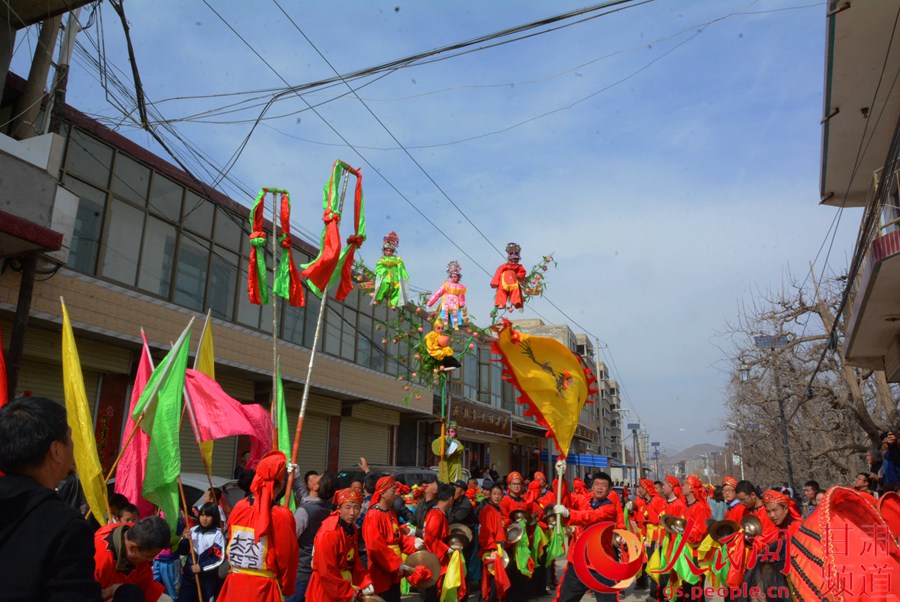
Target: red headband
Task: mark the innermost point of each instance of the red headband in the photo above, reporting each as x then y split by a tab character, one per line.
697	487
348	495
650	486
384	483
513	476
730	481
268	472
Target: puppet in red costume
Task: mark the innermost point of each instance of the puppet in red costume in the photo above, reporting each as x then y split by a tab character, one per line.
509	279
262	541
385	542
338	575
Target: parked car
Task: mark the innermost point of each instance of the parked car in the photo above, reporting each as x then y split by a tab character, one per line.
195	485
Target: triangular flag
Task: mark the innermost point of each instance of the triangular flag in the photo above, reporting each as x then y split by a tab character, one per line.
551	381
283	444
90	472
130	472
162	423
205	362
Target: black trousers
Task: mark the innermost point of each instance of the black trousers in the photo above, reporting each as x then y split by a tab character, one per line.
573	590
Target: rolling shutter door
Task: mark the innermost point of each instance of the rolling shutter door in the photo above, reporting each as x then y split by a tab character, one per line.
313	452
45	380
363	439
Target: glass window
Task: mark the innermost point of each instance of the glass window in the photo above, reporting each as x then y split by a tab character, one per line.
247	313
223	283
198	214
333	330
228	230
130	180
190	273
157	257
378	354
348	335
123	242
364	341
89	159
165	197
292	323
88	224
470	377
309	320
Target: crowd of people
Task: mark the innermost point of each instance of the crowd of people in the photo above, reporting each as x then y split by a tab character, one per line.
485	539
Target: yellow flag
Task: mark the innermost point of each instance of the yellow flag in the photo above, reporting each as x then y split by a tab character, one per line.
87	461
205	362
552	382
453	578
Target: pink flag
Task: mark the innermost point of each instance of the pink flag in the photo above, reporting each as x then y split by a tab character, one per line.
219	415
130	472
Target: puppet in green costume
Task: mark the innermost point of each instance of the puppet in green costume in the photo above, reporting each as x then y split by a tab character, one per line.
390	274
453	455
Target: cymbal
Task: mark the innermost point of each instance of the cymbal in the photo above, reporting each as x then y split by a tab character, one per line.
517	515
462	528
675	525
752	526
514	533
720	530
429	561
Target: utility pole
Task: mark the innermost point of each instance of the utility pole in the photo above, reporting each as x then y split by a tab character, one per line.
56	105
655	446
771	342
29	105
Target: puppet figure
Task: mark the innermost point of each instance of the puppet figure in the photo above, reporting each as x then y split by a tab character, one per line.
508	280
438	346
452	295
453	455
390	274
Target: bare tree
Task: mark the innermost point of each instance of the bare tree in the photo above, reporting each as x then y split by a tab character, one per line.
831	414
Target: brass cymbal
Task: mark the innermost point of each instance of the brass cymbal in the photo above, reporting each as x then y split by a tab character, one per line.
517	515
721	529
429	561
463	529
752	526
514	533
675	525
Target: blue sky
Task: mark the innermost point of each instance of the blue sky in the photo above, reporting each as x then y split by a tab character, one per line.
683	183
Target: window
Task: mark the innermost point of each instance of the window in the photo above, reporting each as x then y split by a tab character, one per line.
223	283
309	320
292	323
123	242
332	329
228	230
190	273
198	214
89	159
470	376
130	180
88	223
364	341
165	197
348	335
157	257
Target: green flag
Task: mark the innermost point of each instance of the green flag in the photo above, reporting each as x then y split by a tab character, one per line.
556	546
162	422
284	435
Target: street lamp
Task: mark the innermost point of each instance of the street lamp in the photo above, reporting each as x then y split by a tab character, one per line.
771	342
634	427
734	428
655	446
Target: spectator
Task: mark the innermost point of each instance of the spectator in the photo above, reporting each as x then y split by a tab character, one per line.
36	453
429	499
863	484
495	476
717	504
370	484
245	480
890	469
874	464
116	501
128	513
461	511
810	489
209	549
309	517
241	465
122	554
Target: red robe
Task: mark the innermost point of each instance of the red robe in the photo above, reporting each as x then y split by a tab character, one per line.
675	507
434	532
264	570
768	526
583	515
106	574
337	571
492	531
509	505
614	498
508	280
384	543
699	511
736	512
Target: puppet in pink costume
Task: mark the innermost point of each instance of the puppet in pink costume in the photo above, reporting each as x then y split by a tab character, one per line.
453	297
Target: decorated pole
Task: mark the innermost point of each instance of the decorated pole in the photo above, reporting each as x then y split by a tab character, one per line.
274	192
441	468
345	176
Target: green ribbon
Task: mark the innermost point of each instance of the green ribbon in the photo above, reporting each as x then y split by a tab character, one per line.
523	551
556	547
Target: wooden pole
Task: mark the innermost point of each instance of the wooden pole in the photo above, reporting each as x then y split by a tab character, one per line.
190	538
122	451
312	358
274	304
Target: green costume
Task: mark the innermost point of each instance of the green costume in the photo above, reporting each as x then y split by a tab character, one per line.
390	274
453	457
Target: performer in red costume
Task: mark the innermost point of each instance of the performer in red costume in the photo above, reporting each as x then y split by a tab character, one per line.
509	279
338	574
122	557
262	540
385	542
491	534
735	509
782	512
747	494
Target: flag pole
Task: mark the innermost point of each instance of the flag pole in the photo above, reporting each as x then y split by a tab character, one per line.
274	192
442	469
312	359
190	539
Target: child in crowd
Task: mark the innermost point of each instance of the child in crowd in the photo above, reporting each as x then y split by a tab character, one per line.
209	549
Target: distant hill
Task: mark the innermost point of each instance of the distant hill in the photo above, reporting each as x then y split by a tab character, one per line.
691	453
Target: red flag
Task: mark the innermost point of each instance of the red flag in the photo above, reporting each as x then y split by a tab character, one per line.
130	472
219	415
3	390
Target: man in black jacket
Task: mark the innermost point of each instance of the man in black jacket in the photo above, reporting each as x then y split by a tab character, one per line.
47	547
309	517
462	510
